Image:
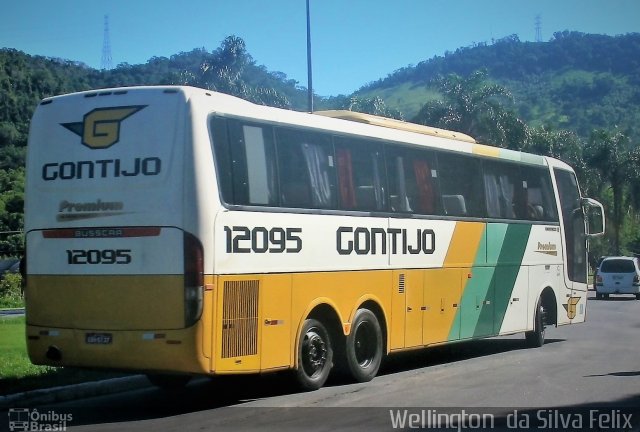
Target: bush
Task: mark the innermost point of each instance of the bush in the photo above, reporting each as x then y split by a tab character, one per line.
11	291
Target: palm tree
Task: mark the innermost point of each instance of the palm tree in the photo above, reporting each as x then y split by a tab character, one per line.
473	106
610	153
224	71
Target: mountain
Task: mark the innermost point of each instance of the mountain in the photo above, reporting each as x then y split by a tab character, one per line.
26	79
575	81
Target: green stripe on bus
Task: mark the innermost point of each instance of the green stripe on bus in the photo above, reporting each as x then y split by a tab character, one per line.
487	293
466	320
509	265
533	159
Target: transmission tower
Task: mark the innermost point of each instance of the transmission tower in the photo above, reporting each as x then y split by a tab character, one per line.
105	64
538	28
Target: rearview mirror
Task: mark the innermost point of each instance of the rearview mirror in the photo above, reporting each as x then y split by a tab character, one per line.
595	217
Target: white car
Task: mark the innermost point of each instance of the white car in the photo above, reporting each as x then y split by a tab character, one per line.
618	275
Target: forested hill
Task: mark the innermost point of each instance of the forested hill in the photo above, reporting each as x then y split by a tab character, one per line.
575	81
25	80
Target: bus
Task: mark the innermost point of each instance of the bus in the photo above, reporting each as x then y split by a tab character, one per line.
177	231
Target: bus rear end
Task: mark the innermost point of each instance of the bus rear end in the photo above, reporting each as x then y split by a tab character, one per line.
114	271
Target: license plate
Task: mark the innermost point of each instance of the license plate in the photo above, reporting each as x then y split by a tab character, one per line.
98	338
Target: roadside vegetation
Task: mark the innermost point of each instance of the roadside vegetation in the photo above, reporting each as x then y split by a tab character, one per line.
11	291
18	374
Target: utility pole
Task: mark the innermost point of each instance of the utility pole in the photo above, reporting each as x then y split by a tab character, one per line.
309	73
538	28
105	64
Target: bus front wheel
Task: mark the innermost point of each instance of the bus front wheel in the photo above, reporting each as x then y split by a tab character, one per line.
535	338
364	346
315	355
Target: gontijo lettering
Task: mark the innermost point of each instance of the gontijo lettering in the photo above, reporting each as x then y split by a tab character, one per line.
104	168
365	241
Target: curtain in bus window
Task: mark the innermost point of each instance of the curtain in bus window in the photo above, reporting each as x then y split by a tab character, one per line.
399	198
317	166
492	195
422	172
506	197
260	180
377	182
499	191
345	178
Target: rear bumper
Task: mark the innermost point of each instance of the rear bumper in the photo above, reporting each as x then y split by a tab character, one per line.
618	289
140	350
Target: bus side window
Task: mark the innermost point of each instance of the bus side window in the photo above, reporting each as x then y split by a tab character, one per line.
253	164
540	202
222	152
505	191
361	180
460	185
306	169
412	185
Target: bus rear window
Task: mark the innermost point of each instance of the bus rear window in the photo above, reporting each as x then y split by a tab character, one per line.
617	266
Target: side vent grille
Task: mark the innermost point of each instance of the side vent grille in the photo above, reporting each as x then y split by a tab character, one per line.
401	283
240	318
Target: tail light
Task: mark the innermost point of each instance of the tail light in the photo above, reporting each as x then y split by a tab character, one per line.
636	280
598	280
193	279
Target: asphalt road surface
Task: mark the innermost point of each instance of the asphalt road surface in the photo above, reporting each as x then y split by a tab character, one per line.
586	376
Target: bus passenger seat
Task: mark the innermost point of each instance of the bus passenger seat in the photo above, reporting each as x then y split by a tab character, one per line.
454	205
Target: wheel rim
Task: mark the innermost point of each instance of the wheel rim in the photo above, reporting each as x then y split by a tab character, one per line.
543	319
364	344
314	352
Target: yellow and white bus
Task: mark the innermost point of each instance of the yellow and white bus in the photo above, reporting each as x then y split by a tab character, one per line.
178	231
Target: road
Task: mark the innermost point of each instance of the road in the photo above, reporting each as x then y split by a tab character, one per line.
596	364
11	312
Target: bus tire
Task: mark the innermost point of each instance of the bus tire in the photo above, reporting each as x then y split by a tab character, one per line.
535	338
169	382
315	356
364	344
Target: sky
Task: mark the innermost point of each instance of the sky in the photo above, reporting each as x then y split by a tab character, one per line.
354	42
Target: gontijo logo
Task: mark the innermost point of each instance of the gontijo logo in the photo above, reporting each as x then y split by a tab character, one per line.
100	128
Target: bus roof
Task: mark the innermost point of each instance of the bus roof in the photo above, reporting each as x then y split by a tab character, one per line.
372	126
395	124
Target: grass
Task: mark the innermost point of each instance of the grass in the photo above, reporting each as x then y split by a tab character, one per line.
18	374
11	302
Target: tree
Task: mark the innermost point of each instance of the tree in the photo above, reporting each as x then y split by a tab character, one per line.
473	106
559	144
375	106
610	153
225	71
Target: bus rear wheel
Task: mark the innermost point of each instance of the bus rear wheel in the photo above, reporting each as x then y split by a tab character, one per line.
315	355
364	344
535	338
